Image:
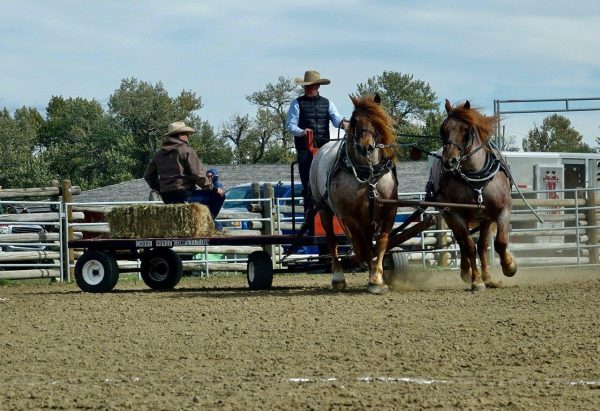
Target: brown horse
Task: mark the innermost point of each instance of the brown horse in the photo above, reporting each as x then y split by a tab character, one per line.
471	170
346	178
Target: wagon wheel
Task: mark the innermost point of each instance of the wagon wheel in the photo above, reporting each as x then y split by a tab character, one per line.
161	268
96	272
259	271
395	267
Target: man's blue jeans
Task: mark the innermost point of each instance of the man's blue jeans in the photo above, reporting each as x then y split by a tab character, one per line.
214	201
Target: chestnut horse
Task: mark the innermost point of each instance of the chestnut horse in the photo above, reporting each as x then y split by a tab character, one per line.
346	178
472	170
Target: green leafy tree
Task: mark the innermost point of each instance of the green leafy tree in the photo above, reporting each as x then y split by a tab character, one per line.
411	103
555	135
80	142
237	130
273	102
211	148
145	110
21	164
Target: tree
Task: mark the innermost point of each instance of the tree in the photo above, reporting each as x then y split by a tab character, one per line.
145	110
411	103
20	163
238	130
80	142
273	102
210	148
506	143
555	135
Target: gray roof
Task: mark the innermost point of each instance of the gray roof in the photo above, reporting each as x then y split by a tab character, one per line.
412	177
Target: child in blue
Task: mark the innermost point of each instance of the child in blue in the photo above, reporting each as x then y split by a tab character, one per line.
213	198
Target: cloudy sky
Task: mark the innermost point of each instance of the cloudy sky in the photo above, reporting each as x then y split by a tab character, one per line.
225	50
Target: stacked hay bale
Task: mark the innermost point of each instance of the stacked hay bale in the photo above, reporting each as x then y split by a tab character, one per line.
161	221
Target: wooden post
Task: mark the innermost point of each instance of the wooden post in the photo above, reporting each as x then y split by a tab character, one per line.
56	184
592	220
268	213
67	197
442	241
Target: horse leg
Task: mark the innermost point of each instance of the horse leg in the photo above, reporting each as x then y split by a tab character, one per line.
482	249
376	283
465	264
509	264
468	253
338	282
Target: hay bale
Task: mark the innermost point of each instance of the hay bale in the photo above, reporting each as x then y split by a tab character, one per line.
161	221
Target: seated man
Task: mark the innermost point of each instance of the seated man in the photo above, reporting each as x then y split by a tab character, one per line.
212	198
176	172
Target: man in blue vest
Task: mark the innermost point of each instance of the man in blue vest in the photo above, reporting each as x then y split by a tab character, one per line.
311	111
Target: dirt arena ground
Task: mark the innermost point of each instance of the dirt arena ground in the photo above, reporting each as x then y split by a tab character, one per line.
213	344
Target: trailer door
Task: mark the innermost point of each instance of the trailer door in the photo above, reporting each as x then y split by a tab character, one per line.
575	174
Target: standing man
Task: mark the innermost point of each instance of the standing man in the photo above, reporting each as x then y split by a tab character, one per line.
175	171
311	111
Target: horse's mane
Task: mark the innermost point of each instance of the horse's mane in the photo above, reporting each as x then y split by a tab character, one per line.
484	124
380	118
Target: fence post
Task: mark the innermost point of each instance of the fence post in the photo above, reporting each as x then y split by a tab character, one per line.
67	197
592	220
268	213
442	242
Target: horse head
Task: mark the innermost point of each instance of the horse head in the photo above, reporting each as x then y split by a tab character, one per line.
371	131
464	132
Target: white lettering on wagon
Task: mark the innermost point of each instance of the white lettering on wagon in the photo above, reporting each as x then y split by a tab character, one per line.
143	243
190	242
164	243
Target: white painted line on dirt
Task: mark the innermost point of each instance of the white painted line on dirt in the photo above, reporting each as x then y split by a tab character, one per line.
410	380
403	379
311	379
584	383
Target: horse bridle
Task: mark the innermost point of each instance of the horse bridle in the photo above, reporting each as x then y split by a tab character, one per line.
362	150
462	148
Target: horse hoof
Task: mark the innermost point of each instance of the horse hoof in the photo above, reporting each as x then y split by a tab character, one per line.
466	277
475	287
493	284
338	285
377	288
511	270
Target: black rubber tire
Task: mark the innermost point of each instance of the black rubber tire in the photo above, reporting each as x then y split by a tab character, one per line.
395	267
96	272
259	271
161	268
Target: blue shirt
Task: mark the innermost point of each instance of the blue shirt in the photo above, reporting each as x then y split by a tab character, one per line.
293	115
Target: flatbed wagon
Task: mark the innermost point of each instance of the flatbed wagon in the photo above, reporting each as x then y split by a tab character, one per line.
161	268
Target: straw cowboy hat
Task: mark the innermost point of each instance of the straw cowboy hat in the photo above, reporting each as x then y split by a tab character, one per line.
179	127
311	77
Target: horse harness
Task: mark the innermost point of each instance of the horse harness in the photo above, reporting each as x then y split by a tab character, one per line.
476	180
369	175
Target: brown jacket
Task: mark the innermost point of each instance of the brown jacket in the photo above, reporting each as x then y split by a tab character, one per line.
175	167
